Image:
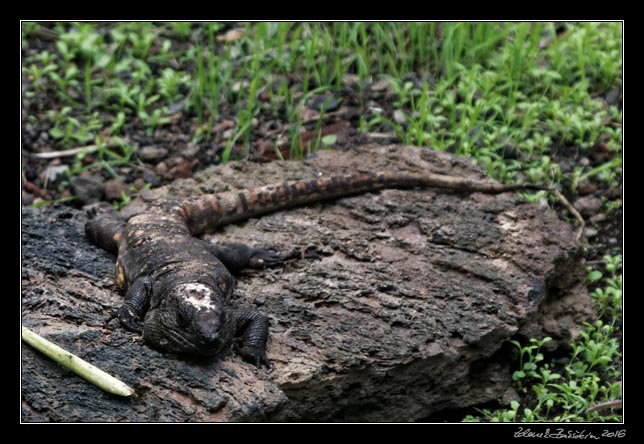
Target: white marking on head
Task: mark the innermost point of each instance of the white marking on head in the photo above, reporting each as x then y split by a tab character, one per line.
196	294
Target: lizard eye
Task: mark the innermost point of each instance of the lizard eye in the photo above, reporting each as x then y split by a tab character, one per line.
182	319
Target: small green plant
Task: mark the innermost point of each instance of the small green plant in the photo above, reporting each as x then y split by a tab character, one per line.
230	144
607	296
125	200
37	74
509	415
83	44
182	29
109	153
69	131
529	358
170	83
154	120
118	124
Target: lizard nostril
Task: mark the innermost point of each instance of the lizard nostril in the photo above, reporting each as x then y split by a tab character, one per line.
210	336
207	327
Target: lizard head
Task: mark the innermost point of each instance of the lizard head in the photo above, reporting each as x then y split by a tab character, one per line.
190	319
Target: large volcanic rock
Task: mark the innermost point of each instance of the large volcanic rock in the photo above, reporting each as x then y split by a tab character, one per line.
406	310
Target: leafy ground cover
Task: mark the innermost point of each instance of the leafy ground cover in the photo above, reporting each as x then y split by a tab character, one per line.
110	109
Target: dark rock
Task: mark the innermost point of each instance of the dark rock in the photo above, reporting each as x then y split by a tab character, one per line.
31	187
324	101
385	326
614	193
27	198
601	152
150	153
88	189
182	170
151	178
614	96
586	187
114	189
191	150
588	205
53	242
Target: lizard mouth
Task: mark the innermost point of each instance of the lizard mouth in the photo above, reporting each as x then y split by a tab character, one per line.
177	341
203	332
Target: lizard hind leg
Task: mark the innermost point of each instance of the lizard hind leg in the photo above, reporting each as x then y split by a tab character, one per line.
104	231
239	256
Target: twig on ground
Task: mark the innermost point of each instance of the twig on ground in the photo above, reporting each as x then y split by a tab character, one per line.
66	153
572	210
108	143
616	404
82	368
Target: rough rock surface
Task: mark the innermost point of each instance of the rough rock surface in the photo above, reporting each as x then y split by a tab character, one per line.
405	312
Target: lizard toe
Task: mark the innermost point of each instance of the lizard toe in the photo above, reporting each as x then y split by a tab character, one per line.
265	258
129	320
253	355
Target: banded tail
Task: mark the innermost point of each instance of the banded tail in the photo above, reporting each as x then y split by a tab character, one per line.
212	211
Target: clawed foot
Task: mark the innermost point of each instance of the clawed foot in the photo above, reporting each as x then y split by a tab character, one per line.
266	258
252	354
94	211
129	320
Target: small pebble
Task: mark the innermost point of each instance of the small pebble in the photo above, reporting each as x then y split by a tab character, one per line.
399	116
88	189
324	101
599	217
191	150
590	232
228	134
151	178
588	205
161	168
586	188
382	85
152	152
114	189
27	198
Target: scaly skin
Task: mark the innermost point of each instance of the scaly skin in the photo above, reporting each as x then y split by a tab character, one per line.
177	287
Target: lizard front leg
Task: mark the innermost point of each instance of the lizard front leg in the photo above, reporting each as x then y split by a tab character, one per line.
137	301
251	336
